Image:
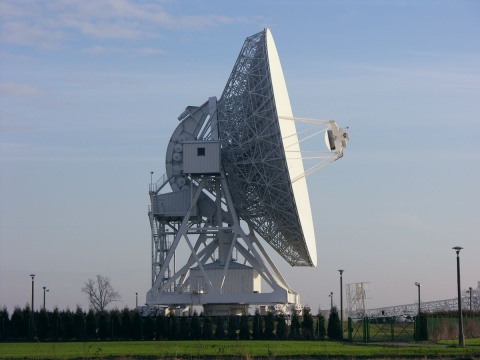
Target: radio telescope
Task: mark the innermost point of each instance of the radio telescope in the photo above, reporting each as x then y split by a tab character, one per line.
237	180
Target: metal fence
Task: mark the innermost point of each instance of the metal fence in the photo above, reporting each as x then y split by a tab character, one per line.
446	328
382	329
405	329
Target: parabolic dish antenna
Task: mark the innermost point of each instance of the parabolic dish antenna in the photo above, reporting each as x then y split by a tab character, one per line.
237	175
254	138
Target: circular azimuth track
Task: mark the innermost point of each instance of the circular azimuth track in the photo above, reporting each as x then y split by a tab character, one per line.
189	129
253	154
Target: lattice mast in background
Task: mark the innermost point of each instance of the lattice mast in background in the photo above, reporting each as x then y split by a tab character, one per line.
357	293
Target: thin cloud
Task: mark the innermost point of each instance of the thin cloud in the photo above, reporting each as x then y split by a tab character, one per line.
31	34
149	51
410	221
52	24
98	49
451	75
18	8
107	30
20	90
88	159
14	57
459	74
10	145
15	129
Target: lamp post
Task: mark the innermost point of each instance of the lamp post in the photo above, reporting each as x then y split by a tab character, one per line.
136	300
331	299
417	284
32	310
44	290
461	339
470	292
341	298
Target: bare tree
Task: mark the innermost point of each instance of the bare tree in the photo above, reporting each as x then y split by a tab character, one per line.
100	292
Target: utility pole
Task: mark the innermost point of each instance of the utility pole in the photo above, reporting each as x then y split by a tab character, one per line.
461	338
419	306
44	290
470	292
341	299
32	320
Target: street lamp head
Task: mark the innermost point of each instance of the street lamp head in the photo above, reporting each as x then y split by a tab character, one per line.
341	271
457	249
418	284
32	275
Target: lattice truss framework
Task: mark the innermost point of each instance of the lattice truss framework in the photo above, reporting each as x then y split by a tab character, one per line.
253	154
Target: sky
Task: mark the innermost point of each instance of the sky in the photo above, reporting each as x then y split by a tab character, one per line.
90	92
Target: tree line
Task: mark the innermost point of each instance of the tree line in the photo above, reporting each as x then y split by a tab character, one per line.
127	324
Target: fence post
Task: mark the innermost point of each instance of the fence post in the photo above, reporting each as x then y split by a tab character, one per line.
415	328
350	330
429	326
392	328
364	323
366	330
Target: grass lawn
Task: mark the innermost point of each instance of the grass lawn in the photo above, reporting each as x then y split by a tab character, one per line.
235	349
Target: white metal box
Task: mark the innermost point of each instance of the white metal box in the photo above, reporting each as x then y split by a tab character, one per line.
240	279
201	157
173	204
